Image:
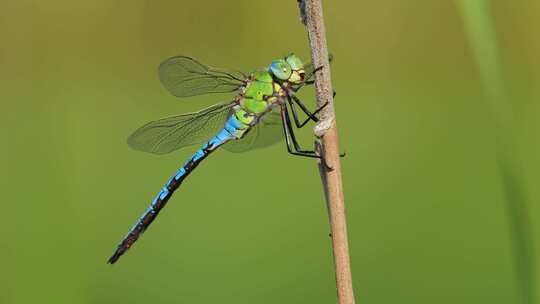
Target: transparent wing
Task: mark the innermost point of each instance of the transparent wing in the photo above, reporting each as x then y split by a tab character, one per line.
310	68
267	132
183	76
172	133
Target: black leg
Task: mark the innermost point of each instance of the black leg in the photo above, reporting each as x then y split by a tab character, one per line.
292	147
311	116
317	69
295	114
290	128
287	121
304	108
308	83
308	80
305	83
293	136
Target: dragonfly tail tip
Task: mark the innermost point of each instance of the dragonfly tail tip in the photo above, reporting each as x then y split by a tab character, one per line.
113	258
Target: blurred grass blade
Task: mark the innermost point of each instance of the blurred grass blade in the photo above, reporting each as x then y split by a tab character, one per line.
520	228
482	36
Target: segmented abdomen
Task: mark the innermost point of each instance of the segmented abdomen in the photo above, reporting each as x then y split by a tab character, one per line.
234	128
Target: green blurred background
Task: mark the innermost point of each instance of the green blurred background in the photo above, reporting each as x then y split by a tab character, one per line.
428	217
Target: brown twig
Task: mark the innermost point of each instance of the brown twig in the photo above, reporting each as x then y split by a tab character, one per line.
328	147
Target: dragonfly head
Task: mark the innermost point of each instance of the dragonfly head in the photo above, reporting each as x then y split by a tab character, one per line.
289	69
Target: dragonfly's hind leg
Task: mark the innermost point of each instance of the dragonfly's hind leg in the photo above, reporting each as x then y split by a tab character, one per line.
292	144
289	131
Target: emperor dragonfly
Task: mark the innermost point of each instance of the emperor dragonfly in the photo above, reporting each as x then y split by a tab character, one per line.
258	116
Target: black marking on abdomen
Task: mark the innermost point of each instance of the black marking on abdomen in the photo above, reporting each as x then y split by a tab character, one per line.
152	212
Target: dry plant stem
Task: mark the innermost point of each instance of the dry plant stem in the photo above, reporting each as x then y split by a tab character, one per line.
328	146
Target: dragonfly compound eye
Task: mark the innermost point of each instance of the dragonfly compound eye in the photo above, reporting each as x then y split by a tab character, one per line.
295	62
281	69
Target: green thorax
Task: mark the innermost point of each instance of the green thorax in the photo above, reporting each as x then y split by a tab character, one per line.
257	91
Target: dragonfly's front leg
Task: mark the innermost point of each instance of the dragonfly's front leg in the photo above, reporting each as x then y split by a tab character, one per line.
313	74
307	83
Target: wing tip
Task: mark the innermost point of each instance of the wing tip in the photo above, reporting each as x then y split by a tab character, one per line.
138	146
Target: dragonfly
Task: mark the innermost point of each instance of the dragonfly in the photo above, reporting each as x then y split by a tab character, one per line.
262	112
